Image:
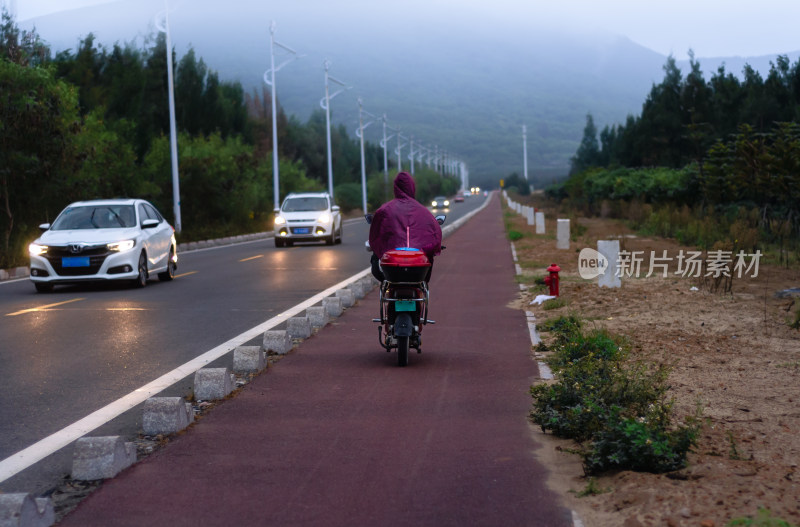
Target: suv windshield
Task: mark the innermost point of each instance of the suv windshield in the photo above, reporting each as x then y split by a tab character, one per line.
304	204
96	217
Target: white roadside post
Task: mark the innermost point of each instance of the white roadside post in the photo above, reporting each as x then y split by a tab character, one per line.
610	277
269	79
539	223
562	234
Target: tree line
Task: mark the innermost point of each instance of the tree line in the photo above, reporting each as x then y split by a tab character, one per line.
94	123
723	148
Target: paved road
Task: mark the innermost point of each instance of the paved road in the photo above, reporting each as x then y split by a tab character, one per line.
95	344
337	434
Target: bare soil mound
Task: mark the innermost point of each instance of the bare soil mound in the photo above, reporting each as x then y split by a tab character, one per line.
733	355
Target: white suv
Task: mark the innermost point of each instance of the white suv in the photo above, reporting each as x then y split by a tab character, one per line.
308	216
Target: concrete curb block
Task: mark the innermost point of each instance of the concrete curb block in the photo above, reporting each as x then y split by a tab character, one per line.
166	415
298	327
333	304
211	384
101	457
346	296
23	510
317	317
249	359
357	289
278	341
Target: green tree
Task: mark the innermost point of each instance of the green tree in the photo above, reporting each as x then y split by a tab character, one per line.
38	121
588	153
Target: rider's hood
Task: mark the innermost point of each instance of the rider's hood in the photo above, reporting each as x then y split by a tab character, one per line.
404	187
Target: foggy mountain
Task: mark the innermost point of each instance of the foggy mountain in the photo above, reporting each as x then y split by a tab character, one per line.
463	84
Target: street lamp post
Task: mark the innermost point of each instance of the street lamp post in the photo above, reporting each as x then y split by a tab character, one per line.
269	78
360	134
411	153
325	103
399	151
163	26
525	151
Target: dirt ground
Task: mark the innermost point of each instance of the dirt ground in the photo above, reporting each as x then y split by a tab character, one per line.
732	355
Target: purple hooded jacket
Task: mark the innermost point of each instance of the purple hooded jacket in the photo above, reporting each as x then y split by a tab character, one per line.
389	224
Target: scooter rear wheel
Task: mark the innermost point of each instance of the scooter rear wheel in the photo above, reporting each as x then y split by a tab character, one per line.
402	351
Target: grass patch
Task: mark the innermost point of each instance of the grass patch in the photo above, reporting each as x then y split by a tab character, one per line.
591	489
764	518
615	407
556	303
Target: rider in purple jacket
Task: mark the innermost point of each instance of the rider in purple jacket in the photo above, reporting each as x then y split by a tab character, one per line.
403	222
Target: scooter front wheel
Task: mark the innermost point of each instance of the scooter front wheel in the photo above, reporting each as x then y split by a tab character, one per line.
402	351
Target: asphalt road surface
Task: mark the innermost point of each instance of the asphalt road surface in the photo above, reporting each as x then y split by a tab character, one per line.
337	435
65	355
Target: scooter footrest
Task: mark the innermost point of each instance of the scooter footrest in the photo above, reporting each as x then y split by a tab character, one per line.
377	320
429	321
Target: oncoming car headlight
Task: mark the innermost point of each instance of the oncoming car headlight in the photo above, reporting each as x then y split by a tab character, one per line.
324	218
35	249
447	203
280	220
125	245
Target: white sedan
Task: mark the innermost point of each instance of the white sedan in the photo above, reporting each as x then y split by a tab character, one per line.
116	239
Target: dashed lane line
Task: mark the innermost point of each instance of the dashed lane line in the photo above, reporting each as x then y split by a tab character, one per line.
43	308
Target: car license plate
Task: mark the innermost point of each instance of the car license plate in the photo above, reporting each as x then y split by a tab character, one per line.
301	231
405	305
75	261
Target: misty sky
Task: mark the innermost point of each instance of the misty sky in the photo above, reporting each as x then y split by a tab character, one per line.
711	28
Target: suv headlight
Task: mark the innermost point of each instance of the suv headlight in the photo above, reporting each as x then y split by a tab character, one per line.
447	203
280	220
324	218
35	249
125	245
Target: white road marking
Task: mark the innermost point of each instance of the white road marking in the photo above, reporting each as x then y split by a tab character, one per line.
25	458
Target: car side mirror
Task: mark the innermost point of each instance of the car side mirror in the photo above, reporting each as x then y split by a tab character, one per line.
368	217
44	226
335	208
149	224
440	219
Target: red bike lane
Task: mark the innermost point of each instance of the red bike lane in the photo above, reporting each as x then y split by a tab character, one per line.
336	434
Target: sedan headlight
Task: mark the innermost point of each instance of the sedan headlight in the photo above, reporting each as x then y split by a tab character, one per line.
125	245
280	220
433	203
447	203
324	218
35	249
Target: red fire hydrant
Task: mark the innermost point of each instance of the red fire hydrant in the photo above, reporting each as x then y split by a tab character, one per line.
552	280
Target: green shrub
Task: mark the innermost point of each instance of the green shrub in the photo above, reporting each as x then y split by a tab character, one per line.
637	444
514	235
615	404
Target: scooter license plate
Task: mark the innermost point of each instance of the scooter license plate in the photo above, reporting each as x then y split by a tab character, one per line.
405	305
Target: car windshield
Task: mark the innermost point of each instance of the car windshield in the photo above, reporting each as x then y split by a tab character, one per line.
95	217
304	204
